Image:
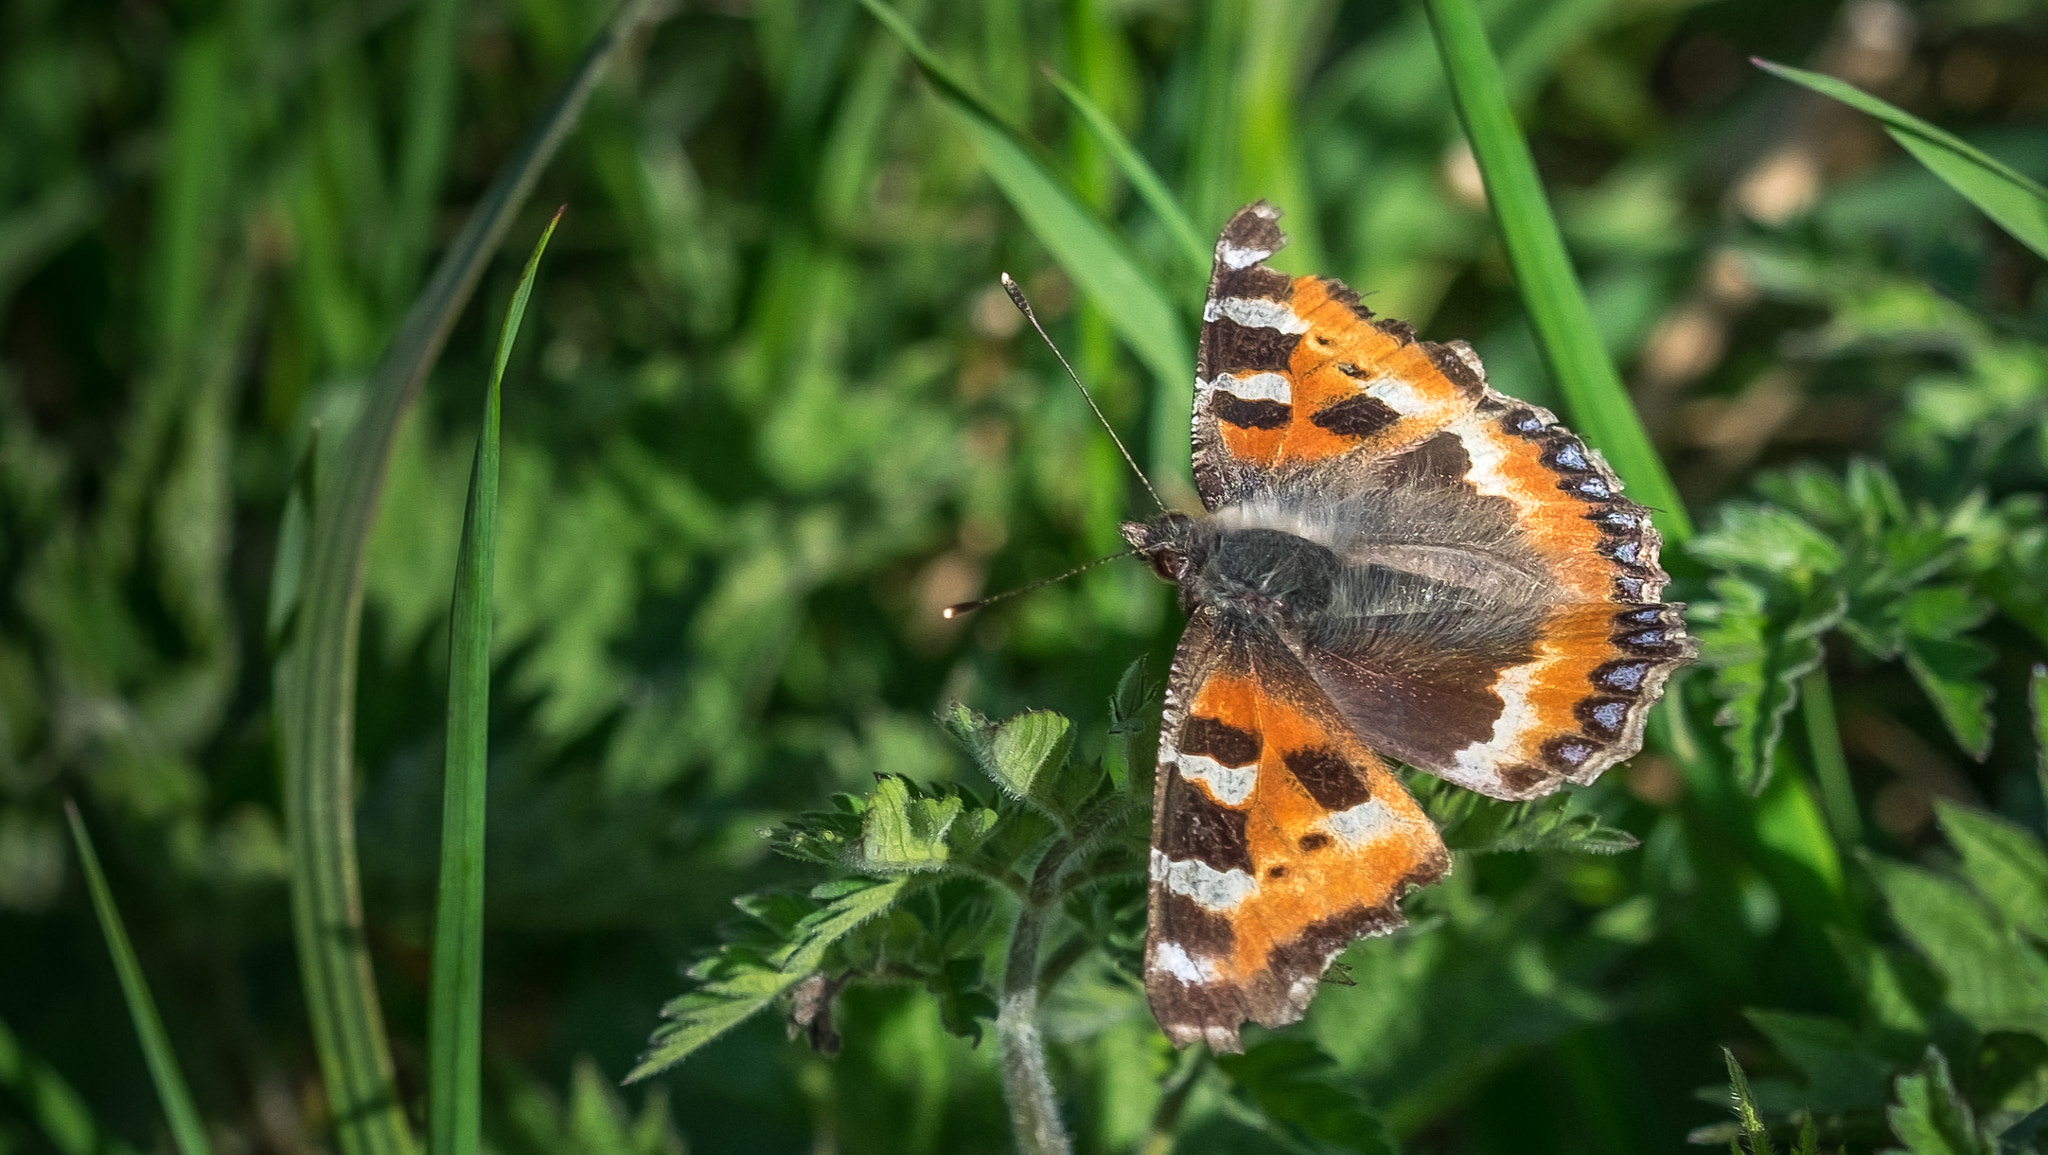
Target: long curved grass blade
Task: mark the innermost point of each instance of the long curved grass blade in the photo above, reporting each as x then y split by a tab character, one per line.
316	674
188	1131
455	1001
2017	204
1152	190
1598	405
1100	264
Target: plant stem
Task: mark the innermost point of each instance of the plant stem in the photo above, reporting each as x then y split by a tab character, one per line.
1830	768
1034	1109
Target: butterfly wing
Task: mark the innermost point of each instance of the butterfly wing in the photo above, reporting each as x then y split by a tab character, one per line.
1514	636
1295	371
1277	838
1511	635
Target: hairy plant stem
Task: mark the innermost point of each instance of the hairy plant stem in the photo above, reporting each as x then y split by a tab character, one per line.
1034	1109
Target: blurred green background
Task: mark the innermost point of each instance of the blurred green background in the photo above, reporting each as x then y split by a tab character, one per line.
770	412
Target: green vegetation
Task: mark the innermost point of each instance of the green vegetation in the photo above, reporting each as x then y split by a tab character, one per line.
769	412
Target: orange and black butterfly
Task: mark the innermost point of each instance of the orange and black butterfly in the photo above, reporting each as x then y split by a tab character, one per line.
1393	562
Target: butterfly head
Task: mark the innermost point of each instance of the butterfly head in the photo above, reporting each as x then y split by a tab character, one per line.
1166	542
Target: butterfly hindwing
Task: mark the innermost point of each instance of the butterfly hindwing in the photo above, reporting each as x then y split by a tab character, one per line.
1278	838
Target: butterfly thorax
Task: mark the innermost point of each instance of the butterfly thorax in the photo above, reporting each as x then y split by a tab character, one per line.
1245	572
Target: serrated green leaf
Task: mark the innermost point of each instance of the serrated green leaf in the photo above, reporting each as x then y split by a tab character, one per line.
1477	825
742	985
2006	864
1023	755
1951	672
905	831
1931	1117
2018	204
1767	539
1989	981
1759	650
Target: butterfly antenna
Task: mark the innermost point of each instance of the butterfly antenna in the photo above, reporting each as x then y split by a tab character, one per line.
1024	307
965	608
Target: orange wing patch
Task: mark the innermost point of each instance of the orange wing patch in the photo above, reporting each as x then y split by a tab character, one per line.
1579	705
1278	839
1308	374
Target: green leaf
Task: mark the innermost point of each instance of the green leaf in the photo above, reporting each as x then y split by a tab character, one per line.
1023	755
316	675
1931	1117
2037	698
455	999
904	830
1769	540
1990	981
2018	204
1840	1069
1295	1088
1951	671
1194	252
2003	862
1098	263
1598	404
1760	647
740	981
1133	715
1480	825
188	1129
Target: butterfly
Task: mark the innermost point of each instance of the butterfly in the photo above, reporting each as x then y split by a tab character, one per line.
1393	562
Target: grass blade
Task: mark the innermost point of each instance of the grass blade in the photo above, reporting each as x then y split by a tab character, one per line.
455	1004
317	672
47	1098
188	1131
2019	205
1598	406
1187	242
1099	263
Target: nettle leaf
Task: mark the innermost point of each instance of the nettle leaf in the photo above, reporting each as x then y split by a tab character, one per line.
742	979
1948	667
2004	862
1479	825
1842	1069
1290	1085
1759	647
1767	539
1931	1117
1024	755
1133	715
1994	980
905	830
1850	553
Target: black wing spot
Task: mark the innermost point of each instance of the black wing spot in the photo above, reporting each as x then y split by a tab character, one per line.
1195	827
1215	738
1357	416
1231	409
1314	842
1334	783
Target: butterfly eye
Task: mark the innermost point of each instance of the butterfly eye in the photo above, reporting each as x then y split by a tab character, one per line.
1167	564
